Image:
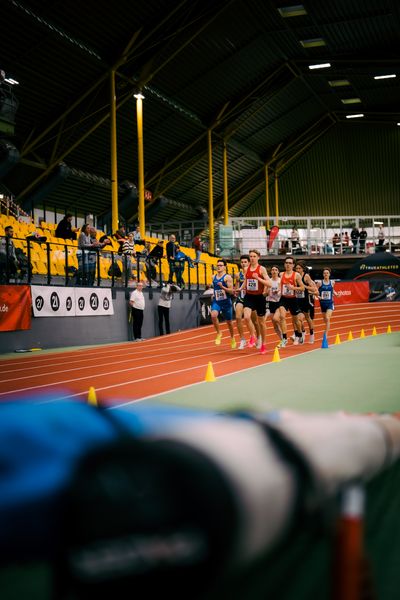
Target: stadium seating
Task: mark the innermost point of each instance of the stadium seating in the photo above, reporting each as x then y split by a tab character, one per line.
39	257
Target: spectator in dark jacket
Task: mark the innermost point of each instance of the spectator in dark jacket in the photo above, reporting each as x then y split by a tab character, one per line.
64	228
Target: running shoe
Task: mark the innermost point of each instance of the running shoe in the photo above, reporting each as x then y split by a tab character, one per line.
301	340
311	339
303	336
282	343
242	344
233	343
218	339
252	341
263	349
259	342
296	341
292	338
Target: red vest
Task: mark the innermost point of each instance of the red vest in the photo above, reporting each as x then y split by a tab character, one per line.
285	281
253	286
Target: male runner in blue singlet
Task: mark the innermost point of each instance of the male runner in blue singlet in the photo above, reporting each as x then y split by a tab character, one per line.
222	301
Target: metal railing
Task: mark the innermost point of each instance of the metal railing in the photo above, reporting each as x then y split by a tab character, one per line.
49	263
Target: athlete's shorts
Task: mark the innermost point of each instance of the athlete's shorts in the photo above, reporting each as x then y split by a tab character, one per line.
256	302
290	304
306	307
272	307
224	307
326	306
238	300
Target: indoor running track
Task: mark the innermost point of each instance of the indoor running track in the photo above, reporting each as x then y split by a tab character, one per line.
133	371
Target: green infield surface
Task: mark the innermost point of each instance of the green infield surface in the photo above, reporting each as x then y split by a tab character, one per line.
357	376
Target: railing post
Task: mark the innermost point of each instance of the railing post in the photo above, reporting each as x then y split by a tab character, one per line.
98	267
48	263
28	253
66	264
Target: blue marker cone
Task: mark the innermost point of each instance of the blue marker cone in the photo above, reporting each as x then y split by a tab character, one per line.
325	342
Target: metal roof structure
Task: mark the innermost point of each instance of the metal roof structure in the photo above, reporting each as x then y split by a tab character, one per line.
239	68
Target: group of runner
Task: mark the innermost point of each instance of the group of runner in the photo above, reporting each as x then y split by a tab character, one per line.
255	296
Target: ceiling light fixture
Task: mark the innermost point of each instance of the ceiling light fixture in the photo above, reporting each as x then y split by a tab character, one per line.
339	82
313	43
320	66
139	96
350	100
11	81
354	116
385	76
296	10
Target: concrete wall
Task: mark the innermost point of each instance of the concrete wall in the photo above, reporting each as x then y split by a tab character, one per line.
53	332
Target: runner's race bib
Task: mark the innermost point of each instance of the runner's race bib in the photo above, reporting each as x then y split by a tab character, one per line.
325	295
252	285
286	291
220	295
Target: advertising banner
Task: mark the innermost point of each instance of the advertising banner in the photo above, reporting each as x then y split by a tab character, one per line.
69	302
15	307
384	290
351	292
375	266
92	302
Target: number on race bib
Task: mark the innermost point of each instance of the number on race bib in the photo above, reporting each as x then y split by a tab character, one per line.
220	295
325	295
252	285
286	291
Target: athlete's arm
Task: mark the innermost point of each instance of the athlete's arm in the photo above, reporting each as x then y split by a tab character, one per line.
333	289
229	287
312	286
300	285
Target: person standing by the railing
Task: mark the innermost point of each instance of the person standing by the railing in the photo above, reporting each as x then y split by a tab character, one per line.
363	239
8	258
354	235
64	228
87	255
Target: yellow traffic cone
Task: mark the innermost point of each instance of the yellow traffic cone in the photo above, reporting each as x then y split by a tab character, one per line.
92	398
276	357
337	339
350	336
374	330
210	373
362	333
389	329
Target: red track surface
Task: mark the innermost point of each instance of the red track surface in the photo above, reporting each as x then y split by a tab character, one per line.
129	371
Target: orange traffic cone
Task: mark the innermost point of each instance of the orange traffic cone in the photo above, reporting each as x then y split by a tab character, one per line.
276	357
210	373
92	398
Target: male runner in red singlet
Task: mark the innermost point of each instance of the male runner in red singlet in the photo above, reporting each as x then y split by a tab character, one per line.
255	299
290	284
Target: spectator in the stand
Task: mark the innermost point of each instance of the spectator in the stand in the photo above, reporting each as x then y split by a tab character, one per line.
154	257
172	250
137	303
64	228
381	236
137	237
88	247
164	305
346	239
36	237
121	236
336	243
354	235
363	239
295	238
128	253
8	258
198	246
